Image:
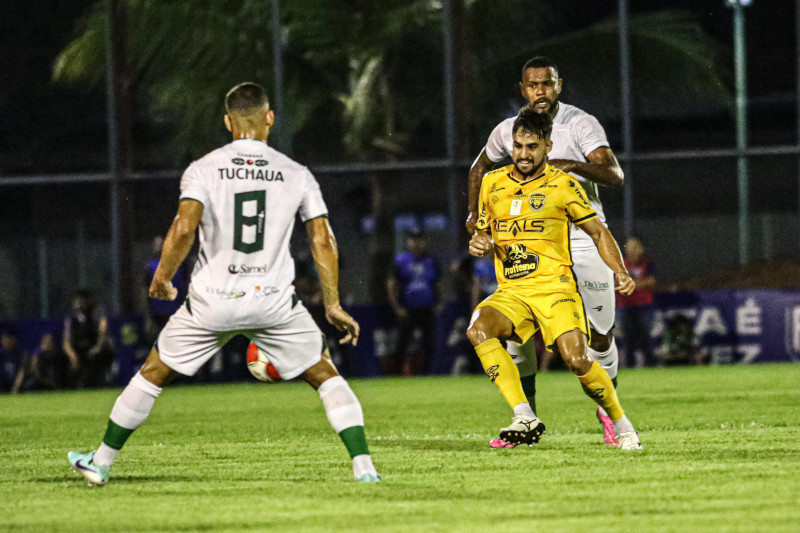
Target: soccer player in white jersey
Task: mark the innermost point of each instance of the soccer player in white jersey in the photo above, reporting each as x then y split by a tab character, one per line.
243	197
580	147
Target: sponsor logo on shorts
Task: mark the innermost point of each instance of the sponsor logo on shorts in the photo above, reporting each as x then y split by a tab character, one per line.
561	301
519	262
247	269
563	278
595	286
226	294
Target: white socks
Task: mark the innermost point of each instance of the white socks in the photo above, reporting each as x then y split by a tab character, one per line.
130	410
344	411
105	455
362	464
623	425
609	359
341	405
523	409
134	404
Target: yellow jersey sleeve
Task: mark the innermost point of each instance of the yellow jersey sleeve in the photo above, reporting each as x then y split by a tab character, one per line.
576	203
483	216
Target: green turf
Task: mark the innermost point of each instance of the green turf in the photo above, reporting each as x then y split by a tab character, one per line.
722	453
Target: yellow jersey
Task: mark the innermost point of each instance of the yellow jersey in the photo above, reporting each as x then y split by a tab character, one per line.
530	223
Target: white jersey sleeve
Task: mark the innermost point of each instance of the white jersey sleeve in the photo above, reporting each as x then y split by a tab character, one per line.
500	141
192	185
312	204
590	135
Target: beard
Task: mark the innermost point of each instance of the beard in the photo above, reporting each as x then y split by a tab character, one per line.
551	105
532	171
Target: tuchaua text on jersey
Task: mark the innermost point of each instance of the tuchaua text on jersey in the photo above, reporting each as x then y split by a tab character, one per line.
250	174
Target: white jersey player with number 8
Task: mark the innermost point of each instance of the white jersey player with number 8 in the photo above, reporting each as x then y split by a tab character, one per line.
243	198
580	147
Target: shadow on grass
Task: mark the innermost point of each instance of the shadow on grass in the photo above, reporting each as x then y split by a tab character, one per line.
433	444
120	479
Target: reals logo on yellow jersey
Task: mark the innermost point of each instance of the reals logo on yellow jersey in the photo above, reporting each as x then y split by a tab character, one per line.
519	262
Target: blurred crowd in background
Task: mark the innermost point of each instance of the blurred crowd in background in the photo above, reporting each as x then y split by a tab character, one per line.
80	354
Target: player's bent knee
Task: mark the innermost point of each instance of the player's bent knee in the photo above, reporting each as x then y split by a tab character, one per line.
578	364
321	372
155	371
601	342
478	333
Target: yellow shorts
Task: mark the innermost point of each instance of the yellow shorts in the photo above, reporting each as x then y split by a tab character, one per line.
554	312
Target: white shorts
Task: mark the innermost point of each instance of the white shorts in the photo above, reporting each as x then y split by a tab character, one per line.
293	346
596	285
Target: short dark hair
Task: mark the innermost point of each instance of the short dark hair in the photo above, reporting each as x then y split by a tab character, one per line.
245	97
539	124
540	62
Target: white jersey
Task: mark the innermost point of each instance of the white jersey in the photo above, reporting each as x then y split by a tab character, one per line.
251	194
576	133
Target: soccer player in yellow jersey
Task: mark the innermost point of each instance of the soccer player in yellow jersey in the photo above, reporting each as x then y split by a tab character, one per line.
525	213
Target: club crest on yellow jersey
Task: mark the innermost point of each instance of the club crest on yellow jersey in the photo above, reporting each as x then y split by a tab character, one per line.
536	201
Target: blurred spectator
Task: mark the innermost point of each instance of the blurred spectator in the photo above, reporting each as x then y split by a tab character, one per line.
414	289
462	270
11	359
87	342
484	281
159	311
636	310
47	368
679	346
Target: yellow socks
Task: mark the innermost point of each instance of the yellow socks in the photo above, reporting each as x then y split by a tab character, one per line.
597	386
503	372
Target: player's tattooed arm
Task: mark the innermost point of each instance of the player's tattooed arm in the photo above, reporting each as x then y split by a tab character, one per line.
481	244
481	166
326	261
177	245
602	167
609	252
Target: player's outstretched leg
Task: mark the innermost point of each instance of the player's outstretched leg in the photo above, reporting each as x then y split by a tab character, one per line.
525	427
130	411
345	415
524	356
488	326
609	360
347	419
598	386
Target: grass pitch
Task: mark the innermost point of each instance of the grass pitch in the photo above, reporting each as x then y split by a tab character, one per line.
722	453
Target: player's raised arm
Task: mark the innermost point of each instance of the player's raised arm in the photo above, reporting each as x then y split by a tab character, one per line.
177	244
481	166
326	261
602	167
610	253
